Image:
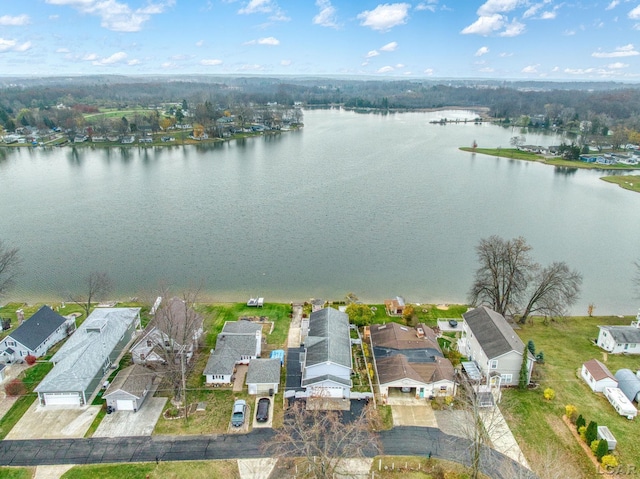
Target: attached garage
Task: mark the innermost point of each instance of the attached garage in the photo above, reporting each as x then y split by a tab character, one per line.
125	404
62	399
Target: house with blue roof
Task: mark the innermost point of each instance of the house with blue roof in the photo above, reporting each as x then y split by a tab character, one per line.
36	335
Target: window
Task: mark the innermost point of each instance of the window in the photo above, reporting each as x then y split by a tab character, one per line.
506	378
493	364
149	343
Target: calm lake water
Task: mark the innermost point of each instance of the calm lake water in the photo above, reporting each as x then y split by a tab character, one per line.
380	205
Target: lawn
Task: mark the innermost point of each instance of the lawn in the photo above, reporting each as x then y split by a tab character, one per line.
537	423
164	470
628	182
7	472
424	313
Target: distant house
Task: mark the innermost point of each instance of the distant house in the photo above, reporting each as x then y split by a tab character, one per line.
492	344
620	339
598	376
129	388
629	384
263	376
395	306
410	360
36	335
82	363
175	326
238	343
326	360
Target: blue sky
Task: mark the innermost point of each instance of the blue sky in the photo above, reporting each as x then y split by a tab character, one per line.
511	39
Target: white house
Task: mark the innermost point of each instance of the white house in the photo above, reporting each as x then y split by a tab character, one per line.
410	360
238	343
620	339
82	363
492	344
326	360
175	325
597	376
36	335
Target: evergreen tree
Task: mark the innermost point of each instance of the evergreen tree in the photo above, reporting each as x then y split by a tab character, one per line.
531	347
524	371
591	433
603	448
580	422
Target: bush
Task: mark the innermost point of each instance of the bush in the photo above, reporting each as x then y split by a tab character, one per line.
602	449
571	412
580	422
591	433
594	445
30	359
540	357
15	387
549	394
609	462
582	431
531	347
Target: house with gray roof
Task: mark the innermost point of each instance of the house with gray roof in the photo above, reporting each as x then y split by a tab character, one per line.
620	339
82	363
491	343
410	360
263	376
238	343
129	388
36	335
326	359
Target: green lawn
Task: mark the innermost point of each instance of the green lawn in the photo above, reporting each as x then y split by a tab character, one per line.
163	470
628	182
537	423
16	472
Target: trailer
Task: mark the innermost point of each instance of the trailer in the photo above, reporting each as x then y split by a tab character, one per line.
620	402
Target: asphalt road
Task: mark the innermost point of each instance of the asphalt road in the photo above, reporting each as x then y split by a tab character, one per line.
419	441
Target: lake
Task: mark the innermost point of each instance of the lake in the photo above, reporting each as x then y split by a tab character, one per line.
379	205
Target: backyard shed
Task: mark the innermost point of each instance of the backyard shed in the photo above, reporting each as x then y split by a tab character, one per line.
263	376
278	354
598	376
129	388
629	383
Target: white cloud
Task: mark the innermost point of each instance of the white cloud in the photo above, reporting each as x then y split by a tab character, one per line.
116	16
386	69
199	43
269	41
110	60
497	6
389	47
62	50
486	70
550	15
372	53
400	65
90	57
613	5
635	13
251	67
429	5
385	17
514	29
530	69
505	55
326	17
428	71
555	69
257	6
485	25
624	51
482	51
211	62
54	17
133	62
617	65
7	20
285	63
168	65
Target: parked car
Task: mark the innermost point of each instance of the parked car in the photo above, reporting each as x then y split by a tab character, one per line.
239	412
262	411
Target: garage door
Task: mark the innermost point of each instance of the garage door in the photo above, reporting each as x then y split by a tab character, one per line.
124	405
62	399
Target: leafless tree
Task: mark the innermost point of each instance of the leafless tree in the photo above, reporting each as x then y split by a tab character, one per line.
96	287
322	441
554	288
503	275
10	262
175	332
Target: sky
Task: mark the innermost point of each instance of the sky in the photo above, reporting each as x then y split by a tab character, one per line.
495	39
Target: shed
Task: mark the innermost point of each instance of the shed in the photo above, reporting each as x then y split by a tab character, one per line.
263	376
598	376
278	354
604	433
129	388
629	383
620	402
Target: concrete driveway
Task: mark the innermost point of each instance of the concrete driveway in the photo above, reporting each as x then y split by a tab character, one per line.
408	411
268	422
53	422
129	423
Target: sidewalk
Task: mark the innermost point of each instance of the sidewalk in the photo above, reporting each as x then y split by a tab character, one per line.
501	436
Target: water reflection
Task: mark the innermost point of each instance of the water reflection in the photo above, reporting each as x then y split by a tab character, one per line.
565	170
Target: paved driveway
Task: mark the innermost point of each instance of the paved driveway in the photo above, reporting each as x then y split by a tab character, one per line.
129	423
51	422
268	422
408	411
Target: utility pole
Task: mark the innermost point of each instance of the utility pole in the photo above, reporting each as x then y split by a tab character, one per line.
184	384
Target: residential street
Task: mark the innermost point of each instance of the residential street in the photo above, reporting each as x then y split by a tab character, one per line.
397	441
